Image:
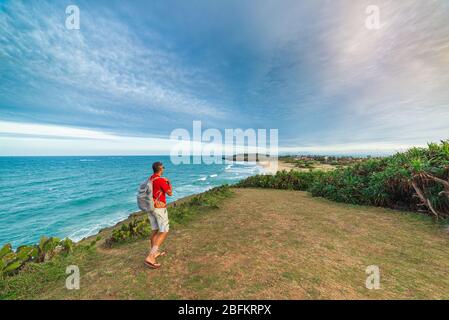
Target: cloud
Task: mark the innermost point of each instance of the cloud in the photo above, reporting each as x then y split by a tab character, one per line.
102	66
393	81
328	80
52	131
27	139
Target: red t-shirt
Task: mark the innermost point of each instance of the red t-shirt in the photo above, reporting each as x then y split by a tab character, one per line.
160	188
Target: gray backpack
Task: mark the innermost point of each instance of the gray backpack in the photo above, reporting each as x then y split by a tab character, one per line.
145	196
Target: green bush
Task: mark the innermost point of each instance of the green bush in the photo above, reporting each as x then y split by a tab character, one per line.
293	180
12	261
131	230
417	179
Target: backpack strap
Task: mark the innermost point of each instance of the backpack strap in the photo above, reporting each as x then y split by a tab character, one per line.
152	180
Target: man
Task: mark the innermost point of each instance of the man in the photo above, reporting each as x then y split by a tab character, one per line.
158	218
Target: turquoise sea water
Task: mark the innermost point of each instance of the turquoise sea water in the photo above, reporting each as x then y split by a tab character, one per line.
77	196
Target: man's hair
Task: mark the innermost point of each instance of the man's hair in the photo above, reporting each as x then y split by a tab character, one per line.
157	166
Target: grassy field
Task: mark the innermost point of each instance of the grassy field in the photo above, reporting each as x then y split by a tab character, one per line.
262	244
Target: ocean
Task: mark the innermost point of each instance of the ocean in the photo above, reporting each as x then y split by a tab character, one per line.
75	197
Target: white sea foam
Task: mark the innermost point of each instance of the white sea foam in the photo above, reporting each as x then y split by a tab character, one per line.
93	229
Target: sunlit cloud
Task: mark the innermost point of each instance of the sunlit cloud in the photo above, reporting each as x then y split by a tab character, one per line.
27	139
51	131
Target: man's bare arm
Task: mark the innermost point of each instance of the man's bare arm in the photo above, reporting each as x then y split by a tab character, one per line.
170	190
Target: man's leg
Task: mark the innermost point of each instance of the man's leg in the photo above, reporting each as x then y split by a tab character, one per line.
161	236
154	253
151	258
157	238
153	237
162	220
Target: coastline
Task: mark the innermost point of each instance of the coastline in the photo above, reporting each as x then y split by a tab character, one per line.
268	166
265	166
104	232
100	193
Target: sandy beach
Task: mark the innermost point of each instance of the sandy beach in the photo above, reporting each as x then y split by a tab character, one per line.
271	166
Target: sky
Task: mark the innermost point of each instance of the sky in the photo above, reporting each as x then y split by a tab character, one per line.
137	70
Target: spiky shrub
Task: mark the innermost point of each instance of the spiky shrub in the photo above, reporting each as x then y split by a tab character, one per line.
127	231
417	179
12	261
293	180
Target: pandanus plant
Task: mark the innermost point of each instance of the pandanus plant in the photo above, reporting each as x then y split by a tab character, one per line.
422	182
133	229
12	261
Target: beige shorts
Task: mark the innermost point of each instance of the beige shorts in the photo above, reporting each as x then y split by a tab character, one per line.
159	219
